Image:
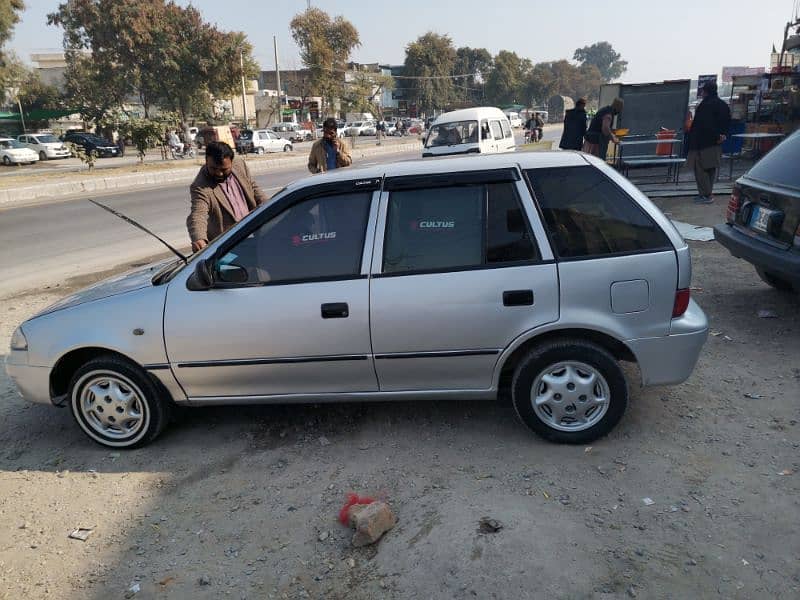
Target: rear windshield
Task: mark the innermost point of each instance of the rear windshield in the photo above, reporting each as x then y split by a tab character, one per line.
779	167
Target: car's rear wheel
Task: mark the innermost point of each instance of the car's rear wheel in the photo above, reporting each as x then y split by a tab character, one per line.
42	155
287	148
117	404
259	150
569	391
774	281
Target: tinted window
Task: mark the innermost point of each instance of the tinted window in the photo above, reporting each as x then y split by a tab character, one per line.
455	227
780	166
588	215
319	237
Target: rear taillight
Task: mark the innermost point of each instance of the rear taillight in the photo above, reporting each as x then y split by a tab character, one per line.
734	205
681	302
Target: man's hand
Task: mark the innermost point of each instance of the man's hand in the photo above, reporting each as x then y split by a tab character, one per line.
198	245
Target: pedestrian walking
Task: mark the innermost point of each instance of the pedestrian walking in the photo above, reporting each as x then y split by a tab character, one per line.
121	143
712	119
574	127
223	193
599	133
330	152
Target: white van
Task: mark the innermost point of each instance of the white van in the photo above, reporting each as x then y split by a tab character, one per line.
514	119
483	130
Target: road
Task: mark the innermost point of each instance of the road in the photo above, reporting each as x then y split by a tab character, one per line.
51	243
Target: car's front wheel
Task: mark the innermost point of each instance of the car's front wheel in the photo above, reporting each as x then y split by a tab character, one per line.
570	391
117	404
6	161
774	281
259	150
287	148
42	155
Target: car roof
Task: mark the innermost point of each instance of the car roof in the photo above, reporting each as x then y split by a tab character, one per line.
447	164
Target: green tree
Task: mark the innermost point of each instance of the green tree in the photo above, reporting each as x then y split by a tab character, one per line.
430	60
363	93
603	56
154	50
477	64
506	81
561	77
9	67
325	46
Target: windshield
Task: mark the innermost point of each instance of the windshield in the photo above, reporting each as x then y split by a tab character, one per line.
7	144
47	139
455	132
246	135
779	167
96	139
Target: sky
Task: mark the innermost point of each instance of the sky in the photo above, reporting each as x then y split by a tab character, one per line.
671	39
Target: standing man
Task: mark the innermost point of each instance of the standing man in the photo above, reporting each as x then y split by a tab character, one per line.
223	193
330	152
599	133
710	126
574	127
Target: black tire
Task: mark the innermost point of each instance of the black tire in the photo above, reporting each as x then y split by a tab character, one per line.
153	405
42	156
774	281
549	356
259	150
6	161
287	148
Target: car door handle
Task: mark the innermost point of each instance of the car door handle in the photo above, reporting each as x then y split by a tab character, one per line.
335	310
518	298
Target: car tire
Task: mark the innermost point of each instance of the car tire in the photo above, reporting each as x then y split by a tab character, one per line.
259	150
42	155
117	404
547	387
775	281
287	148
6	161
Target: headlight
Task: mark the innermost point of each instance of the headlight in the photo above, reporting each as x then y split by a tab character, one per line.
18	341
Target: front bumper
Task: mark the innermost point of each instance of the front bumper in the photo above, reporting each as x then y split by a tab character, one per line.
33	383
783	263
670	359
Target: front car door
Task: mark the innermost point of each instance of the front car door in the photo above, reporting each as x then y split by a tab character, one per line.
297	322
458	276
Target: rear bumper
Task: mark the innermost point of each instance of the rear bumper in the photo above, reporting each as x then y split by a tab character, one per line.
783	263
670	359
33	383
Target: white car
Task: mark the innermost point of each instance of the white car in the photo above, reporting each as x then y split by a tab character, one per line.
265	140
12	152
360	128
46	145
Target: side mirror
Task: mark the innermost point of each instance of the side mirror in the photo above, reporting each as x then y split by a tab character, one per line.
232	273
203	276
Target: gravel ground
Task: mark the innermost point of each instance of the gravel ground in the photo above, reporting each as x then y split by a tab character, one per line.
243	503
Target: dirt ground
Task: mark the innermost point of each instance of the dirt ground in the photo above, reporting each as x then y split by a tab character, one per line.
242	503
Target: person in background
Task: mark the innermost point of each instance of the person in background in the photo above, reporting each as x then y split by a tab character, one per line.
712	119
599	133
330	152
223	193
539	124
121	143
574	126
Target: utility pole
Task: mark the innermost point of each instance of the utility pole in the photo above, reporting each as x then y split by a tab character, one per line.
21	116
278	78
244	99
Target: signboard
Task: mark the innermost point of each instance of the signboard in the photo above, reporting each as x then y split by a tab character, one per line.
729	72
704	79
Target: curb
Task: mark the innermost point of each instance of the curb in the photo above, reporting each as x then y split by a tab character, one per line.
9	197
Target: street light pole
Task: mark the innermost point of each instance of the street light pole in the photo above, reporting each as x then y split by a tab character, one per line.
244	100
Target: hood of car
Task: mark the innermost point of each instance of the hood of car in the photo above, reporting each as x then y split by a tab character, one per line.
113	286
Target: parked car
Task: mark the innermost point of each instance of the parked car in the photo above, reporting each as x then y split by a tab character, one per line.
531	275
293	132
92	144
360	128
762	223
261	141
13	152
46	145
391	128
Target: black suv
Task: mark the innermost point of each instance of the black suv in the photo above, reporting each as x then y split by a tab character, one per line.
92	144
763	217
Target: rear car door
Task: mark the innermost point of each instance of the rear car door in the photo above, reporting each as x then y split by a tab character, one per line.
458	276
295	321
616	267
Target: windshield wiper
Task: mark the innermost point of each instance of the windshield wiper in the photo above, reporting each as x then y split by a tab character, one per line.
142	227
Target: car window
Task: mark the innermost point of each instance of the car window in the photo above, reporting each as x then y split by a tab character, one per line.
775	167
447	228
316	238
587	215
497	131
506	129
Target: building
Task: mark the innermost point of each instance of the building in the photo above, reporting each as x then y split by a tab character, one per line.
51	68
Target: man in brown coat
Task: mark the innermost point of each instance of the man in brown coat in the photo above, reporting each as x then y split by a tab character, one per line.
330	152
223	193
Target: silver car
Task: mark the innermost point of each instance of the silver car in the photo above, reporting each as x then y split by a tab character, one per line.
529	275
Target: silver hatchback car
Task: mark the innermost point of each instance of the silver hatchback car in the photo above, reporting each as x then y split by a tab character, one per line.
531	275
